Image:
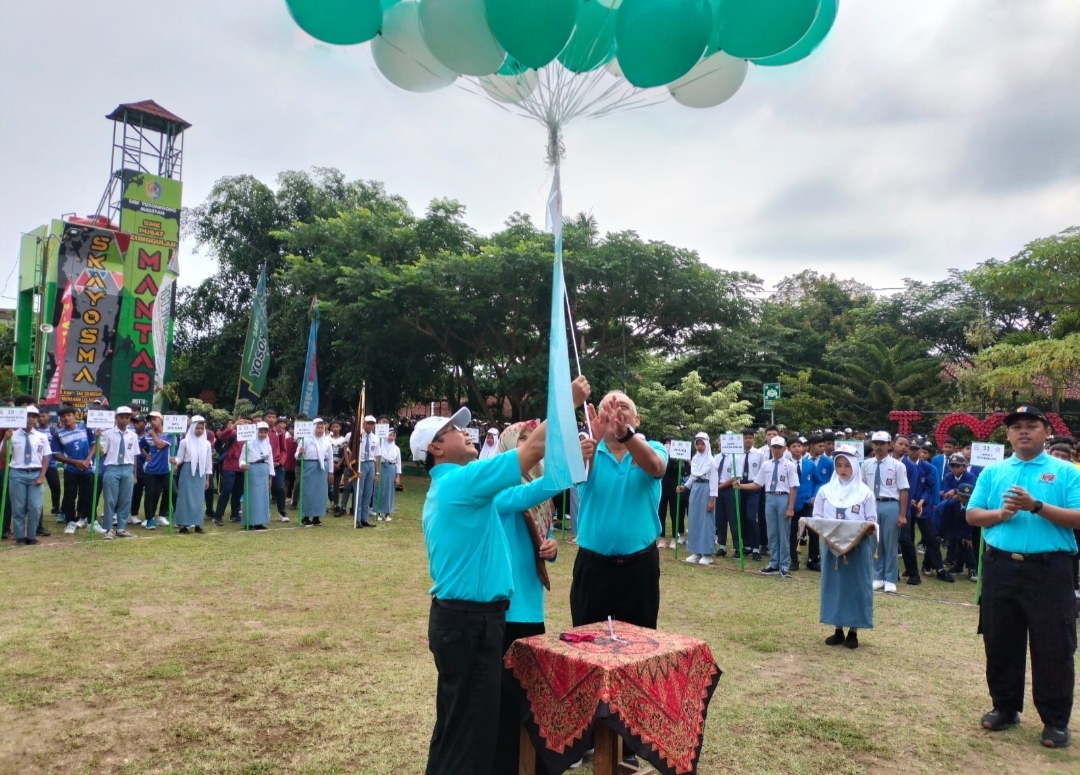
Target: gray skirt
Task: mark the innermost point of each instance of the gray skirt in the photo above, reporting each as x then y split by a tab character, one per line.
847	586
257	495
316	490
190	497
387	488
701	533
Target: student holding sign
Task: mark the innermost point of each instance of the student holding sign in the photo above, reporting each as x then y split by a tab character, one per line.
194	463
73	446
258	459
119	449
316	456
156	448
232	477
702	484
391	475
29	461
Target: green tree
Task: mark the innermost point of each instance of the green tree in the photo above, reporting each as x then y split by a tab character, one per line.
801	407
1015	369
689	408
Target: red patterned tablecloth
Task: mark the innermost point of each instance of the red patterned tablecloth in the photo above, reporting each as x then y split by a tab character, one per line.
657	684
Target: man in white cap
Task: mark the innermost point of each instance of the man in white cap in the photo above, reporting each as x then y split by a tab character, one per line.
367	458
887	479
119	448
469	562
491	444
30	450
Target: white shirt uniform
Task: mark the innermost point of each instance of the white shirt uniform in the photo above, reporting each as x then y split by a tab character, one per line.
893	477
369	446
746	465
722	463
865	510
119	448
787	476
391	453
35	442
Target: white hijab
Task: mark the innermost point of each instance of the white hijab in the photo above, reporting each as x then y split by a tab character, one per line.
489	450
702	461
843	494
200	453
321	444
257	448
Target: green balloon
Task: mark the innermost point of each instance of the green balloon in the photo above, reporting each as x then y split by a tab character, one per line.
387	3
512	67
660	40
341	22
752	29
593	41
532	31
811	40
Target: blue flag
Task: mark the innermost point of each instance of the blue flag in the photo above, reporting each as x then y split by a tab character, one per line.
309	391
563	464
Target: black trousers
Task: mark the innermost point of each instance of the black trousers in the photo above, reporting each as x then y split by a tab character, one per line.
814	545
78	494
232	488
468	650
1030	598
137	494
157	494
626	588
52	479
907	549
512	702
932	551
668	503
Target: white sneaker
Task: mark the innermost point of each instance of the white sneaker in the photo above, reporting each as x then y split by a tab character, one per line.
99	529
682	540
576	765
387	518
163	521
378	518
135	520
671	543
70	529
879	585
81	524
108	535
124	534
890	587
693	558
283	518
706	560
660	542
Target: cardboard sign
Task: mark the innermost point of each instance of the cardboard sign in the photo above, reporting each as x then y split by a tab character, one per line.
731	444
474	434
246	432
174	423
102	419
14	417
681	450
303	429
382	430
983	454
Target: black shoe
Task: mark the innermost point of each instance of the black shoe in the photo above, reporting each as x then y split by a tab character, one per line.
944	575
997	720
769	570
198	529
765	550
258	527
852	639
31	541
183	531
803	541
1055	737
5	536
794	565
814	566
957	568
737	555
366	524
218	523
234	519
914	581
757	556
316	522
305	522
721	552
42	532
836	638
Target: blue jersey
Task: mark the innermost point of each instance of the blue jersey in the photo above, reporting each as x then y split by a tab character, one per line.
922	484
619	504
823	472
807	486
159	458
77	444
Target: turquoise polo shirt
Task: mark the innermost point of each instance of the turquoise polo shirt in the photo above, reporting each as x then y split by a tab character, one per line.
468	557
1049	480
618	513
527	602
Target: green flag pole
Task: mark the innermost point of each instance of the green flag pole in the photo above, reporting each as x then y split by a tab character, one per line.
378	494
738	523
7	473
676	523
300	490
170	485
247	488
97	475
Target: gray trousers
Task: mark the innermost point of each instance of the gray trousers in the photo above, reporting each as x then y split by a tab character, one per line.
887	566
118	483
366	488
27	498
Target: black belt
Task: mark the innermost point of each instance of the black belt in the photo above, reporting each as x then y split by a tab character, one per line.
621	559
887	500
1041	557
471	606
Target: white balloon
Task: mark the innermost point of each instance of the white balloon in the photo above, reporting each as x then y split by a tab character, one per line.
613	67
401	55
509	88
457	34
711	81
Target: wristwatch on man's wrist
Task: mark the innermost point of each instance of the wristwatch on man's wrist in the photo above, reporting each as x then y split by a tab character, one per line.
630	431
1037	507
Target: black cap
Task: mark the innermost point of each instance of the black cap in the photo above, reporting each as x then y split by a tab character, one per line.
965	489
828	436
1026	411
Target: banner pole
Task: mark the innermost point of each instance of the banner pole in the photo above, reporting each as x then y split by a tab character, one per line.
247	489
7	473
169	461
97	475
738	523
300	493
676	524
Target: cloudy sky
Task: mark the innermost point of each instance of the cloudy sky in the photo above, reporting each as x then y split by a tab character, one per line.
922	135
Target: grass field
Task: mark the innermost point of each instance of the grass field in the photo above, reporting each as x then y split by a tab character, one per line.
304	651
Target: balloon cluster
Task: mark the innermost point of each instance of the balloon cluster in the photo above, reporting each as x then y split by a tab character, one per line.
698	49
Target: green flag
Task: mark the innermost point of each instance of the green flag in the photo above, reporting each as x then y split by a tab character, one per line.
257	348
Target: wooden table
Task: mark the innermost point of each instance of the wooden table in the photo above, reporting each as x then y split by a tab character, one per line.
646	687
